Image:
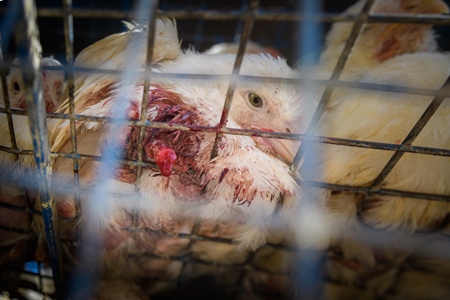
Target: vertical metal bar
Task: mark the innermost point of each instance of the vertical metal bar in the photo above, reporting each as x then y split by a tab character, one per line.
68	41
246	31
7	104
240	24
356	31
148	69
148	62
310	262
27	37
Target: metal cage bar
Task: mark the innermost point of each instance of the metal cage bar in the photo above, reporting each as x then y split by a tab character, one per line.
7	108
237	14
28	41
245	36
68	42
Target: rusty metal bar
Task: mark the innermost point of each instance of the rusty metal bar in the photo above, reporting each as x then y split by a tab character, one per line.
320	82
335	187
151	28
27	37
380	146
68	42
150	45
370	191
249	78
306	183
245	36
20	208
17	230
259	15
252	132
7	108
16	151
356	31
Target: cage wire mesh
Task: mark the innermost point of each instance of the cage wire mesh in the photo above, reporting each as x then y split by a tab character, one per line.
296	30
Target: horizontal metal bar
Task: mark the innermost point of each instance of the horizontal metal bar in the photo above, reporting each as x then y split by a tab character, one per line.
409	18
196	237
247	78
14	111
17	230
189	282
260	15
307	183
253	133
191	260
373	191
379	146
20	208
16	151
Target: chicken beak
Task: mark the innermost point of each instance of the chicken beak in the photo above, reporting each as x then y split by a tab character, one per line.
286	149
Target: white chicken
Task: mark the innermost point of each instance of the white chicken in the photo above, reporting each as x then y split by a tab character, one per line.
239	188
381	117
384	117
52	83
380	41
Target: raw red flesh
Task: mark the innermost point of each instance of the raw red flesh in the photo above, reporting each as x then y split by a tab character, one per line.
163	155
165	160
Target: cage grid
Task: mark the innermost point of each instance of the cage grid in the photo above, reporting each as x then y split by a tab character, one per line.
249	15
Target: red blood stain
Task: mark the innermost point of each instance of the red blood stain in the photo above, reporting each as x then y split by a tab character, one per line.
222	176
133	112
351	264
57	84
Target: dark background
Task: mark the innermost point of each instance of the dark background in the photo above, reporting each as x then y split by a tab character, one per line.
202	34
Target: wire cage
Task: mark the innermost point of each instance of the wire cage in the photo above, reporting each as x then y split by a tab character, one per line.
64	29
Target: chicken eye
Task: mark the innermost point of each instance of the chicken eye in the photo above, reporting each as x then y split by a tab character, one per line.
16	86
255	100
